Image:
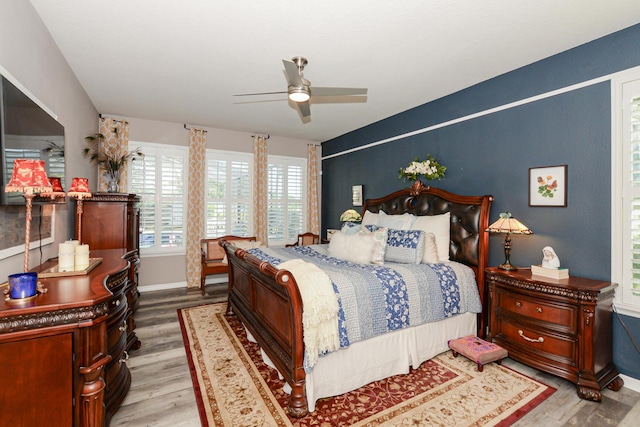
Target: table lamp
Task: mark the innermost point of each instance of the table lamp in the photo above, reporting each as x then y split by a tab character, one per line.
56	189
79	190
509	225
29	177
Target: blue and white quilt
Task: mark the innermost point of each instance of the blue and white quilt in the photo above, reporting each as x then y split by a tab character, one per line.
375	299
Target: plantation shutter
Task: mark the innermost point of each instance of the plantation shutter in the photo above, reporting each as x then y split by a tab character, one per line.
286	201
228	195
159	178
631	182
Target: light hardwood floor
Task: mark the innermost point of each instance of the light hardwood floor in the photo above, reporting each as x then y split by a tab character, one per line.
161	392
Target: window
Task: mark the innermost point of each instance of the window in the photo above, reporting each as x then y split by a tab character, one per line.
160	179
625	181
287	198
228	198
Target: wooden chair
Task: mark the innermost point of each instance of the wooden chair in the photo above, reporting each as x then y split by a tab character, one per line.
305	240
212	255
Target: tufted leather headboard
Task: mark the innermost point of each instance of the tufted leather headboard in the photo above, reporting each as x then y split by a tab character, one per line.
469	220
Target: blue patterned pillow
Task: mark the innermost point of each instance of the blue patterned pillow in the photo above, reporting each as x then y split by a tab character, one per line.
405	246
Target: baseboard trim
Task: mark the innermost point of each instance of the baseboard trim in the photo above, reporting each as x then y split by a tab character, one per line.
177	285
631	383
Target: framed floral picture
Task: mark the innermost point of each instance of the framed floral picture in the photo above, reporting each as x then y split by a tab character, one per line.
548	186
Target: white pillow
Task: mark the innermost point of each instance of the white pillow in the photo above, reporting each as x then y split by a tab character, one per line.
397	222
430	249
440	226
358	248
370	218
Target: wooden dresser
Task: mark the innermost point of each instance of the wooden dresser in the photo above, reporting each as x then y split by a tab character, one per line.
562	327
57	355
109	221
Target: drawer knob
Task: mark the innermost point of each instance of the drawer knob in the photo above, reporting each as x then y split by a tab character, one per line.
518	304
539	309
539	339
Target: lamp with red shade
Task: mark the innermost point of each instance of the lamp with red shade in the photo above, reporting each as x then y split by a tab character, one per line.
79	190
29	177
56	189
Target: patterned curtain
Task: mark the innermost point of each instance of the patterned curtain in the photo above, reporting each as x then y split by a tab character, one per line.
312	190
260	175
195	203
116	141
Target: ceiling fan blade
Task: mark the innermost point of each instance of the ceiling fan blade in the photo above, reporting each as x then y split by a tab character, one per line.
304	109
337	91
260	93
293	76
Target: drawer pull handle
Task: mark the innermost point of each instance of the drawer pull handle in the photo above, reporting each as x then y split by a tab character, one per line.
540	339
518	304
539	309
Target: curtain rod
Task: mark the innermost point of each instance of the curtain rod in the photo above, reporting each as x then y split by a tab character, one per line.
185	126
117	121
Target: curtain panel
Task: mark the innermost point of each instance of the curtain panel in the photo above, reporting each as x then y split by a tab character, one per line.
115	142
195	204
312	190
260	176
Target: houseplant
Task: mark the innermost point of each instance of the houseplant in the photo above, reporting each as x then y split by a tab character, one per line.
112	161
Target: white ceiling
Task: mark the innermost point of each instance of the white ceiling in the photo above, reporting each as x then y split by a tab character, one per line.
182	61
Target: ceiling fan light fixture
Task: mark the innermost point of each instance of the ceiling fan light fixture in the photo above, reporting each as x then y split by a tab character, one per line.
299	94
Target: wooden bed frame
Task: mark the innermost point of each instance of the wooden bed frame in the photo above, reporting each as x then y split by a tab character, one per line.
268	302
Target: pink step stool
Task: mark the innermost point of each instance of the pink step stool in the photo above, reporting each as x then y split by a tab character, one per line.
478	350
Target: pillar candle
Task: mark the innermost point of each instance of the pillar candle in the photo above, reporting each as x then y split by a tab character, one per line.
65	257
81	257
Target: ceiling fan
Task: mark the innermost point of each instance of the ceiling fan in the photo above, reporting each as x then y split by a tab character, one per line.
300	90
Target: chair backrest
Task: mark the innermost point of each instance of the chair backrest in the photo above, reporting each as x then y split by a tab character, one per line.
308	239
213	251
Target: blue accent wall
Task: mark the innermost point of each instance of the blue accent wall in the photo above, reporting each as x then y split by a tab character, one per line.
492	154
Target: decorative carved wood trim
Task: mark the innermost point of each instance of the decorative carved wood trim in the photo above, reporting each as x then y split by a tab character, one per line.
550	290
51	318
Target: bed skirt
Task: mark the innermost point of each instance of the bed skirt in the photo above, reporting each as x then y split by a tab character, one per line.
380	357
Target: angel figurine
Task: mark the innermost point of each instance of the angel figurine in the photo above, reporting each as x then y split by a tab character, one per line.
550	259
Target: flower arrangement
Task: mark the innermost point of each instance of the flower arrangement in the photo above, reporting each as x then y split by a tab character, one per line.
350	215
429	168
111	162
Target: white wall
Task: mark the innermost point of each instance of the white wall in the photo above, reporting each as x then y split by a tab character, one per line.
161	270
29	57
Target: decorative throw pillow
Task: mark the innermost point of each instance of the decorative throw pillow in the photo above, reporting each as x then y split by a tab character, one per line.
440	226
405	246
351	228
397	222
363	247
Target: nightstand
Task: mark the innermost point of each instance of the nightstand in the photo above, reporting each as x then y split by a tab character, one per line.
562	327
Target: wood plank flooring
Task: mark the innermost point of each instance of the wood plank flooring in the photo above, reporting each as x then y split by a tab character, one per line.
161	391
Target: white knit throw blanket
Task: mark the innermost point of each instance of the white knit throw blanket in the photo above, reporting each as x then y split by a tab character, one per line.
320	308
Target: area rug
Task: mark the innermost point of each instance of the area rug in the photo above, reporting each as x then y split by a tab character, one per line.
233	387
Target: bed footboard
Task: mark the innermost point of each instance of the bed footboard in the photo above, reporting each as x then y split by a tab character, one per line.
268	303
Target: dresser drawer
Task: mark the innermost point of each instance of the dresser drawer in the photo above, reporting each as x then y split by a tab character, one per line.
535	309
539	342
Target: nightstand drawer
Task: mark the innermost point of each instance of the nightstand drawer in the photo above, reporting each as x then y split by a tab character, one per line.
542	344
521	305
